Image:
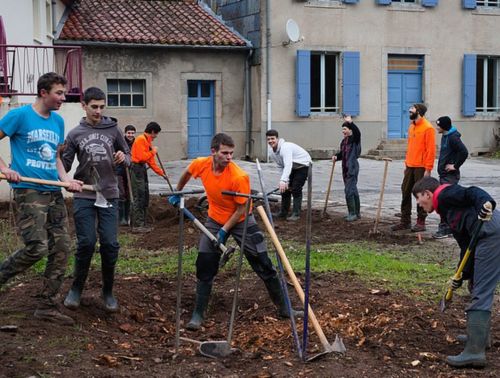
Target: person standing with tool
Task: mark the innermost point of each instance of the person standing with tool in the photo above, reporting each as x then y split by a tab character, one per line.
349	152
293	161
452	155
226	215
123	180
420	155
99	146
36	134
143	153
462	208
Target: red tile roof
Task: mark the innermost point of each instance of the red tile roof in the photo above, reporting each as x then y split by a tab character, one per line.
162	22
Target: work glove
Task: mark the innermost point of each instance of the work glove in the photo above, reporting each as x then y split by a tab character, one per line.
222	236
174	200
486	212
455	284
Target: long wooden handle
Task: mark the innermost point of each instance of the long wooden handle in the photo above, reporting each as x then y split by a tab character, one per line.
293	277
60	184
329	187
382	189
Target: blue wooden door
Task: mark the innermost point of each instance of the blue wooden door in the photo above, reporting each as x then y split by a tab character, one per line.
404	89
200	117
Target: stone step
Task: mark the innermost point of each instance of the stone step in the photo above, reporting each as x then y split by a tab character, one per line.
377	154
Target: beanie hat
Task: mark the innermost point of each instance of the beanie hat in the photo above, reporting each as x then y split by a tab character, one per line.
444	123
421	109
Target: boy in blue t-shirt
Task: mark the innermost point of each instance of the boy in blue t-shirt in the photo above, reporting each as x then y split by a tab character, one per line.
35	134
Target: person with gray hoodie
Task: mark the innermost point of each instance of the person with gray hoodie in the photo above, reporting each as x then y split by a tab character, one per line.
99	146
294	162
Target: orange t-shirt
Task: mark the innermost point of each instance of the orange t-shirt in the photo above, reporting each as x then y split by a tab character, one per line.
233	178
142	152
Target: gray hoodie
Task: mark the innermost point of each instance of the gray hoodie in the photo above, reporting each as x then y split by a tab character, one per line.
95	146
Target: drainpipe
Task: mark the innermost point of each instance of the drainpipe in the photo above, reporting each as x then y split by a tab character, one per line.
268	70
248	107
54	20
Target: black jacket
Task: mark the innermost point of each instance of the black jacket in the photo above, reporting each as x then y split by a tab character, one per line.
453	151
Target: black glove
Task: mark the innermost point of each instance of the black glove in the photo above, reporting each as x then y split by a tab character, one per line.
455	284
486	212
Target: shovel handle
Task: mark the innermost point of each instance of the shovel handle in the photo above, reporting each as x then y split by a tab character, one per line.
380	200
203	229
293	277
329	188
60	184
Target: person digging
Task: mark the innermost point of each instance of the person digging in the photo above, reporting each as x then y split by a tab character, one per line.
226	215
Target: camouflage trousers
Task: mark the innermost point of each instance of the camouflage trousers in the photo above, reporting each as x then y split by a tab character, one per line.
42	222
140	190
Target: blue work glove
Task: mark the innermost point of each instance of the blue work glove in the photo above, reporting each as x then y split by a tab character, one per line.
222	236
174	200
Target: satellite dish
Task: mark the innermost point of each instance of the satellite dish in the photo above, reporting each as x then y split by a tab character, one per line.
292	31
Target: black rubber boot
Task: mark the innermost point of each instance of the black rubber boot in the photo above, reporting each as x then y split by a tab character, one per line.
351	207
121	213
72	300
203	290
108	278
357	206
127	212
297	205
463	338
273	287
477	331
285	206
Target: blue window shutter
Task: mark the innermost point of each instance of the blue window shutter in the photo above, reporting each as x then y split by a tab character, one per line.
383	2
429	3
350	1
469	85
350	91
303	83
469	4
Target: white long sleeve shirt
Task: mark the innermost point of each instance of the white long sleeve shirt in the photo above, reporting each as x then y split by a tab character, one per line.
289	155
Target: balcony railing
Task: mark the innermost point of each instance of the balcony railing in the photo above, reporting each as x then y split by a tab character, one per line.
22	65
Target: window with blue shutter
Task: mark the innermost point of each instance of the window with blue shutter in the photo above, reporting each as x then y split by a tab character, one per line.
383	2
469	4
350	90
429	3
469	85
303	84
350	1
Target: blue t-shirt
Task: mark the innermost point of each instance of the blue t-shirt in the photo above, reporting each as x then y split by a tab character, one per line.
33	144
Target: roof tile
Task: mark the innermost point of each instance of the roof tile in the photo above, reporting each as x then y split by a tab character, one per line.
173	22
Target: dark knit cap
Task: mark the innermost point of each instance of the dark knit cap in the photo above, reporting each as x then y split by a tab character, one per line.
444	123
421	109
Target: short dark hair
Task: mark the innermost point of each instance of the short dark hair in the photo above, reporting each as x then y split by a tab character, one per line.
46	81
220	139
93	93
272	132
427	183
130	127
152	127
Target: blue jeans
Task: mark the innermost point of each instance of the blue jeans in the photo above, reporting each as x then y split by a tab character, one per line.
87	217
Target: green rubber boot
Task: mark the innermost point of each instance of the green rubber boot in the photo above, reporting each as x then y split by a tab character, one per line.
351	207
203	290
108	278
273	287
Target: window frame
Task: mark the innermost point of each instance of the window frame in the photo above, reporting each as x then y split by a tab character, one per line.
322	90
118	93
483	108
487	5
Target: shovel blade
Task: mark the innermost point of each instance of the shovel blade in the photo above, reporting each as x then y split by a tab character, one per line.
338	345
443	303
101	202
215	349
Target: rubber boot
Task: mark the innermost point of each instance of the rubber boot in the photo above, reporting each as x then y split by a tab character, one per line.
297	205
121	213
108	278
273	287
203	290
285	206
463	338
357	206
72	300
351	207
477	331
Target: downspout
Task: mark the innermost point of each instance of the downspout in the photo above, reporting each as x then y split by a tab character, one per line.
268	71
248	107
54	20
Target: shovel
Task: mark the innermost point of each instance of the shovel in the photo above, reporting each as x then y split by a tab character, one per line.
329	188
382	189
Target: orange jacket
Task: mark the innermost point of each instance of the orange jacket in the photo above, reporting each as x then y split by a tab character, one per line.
143	152
421	150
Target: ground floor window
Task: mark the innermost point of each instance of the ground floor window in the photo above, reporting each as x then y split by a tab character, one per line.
487	84
488	3
324	83
126	93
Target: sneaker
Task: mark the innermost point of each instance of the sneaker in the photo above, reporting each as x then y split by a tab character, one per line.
53	315
418	227
441	234
400	227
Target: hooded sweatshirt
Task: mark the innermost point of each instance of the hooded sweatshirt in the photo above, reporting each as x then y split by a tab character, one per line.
453	151
94	146
289	156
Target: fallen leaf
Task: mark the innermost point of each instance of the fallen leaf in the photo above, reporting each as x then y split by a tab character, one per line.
126	327
125	345
450	340
361	341
387	358
267	358
108	360
434	324
428	356
287	363
90	347
415	363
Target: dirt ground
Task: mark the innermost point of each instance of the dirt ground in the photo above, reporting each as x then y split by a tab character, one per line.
386	333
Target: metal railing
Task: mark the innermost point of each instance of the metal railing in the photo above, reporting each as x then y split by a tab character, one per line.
22	65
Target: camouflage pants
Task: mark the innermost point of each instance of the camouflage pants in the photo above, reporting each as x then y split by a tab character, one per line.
42	222
140	191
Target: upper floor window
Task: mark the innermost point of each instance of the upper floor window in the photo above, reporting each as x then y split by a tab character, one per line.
48	18
324	91
488	84
37	21
405	1
488	3
126	93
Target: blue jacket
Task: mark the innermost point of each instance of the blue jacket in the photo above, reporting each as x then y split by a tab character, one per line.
453	151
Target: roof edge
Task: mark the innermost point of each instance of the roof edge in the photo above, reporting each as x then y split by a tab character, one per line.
142	45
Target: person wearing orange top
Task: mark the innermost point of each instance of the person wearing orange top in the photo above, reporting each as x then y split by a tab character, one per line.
143	153
225	217
420	155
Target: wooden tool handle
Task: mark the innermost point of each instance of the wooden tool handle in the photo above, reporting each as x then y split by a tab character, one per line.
329	188
293	277
60	184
